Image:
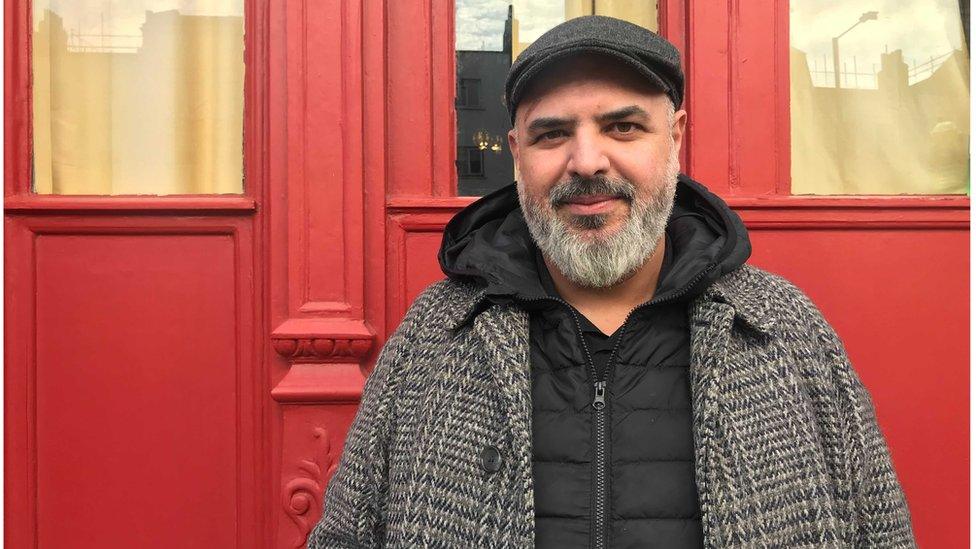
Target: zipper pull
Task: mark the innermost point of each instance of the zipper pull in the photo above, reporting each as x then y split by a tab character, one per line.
599	395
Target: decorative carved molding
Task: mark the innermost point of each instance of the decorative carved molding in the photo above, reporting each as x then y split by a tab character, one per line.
322	349
302	495
306	340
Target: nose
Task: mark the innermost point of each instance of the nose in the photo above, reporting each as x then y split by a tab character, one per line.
587	157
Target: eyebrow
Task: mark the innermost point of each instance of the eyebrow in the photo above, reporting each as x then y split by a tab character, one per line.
554	122
622	113
549	123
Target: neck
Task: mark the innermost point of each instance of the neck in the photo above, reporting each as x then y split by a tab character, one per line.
626	294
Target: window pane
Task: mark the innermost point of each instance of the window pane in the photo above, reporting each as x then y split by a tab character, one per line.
879	97
138	96
489	36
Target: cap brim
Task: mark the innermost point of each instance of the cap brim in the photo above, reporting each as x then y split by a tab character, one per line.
546	59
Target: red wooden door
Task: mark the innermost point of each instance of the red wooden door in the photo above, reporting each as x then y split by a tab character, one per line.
135	387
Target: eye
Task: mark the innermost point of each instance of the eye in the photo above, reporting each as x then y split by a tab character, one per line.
624	127
551	135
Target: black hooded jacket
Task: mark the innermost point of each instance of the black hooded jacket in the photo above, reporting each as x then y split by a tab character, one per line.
613	455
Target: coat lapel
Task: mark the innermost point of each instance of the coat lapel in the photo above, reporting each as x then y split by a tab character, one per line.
710	324
503	331
759	466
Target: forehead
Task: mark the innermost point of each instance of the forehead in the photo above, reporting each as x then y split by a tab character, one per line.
601	76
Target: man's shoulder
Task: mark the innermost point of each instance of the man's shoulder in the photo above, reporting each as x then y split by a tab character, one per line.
750	282
443	303
767	299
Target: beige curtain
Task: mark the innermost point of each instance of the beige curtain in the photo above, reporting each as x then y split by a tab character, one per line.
533	17
899	121
154	109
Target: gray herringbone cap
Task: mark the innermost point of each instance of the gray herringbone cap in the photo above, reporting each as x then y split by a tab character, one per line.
648	53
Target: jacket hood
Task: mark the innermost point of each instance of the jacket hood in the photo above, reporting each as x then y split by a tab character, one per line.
488	243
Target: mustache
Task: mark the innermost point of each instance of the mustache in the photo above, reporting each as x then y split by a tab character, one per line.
578	186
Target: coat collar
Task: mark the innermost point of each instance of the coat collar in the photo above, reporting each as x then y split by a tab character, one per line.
743	291
738	289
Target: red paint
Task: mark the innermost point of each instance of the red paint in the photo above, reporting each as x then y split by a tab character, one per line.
170	354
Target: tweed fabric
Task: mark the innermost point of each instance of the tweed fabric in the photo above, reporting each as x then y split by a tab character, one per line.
788	451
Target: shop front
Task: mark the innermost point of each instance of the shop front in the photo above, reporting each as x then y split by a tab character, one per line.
217	211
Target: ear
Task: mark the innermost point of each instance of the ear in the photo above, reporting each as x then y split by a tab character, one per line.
678	130
513	145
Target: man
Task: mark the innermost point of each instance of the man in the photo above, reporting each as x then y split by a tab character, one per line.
601	368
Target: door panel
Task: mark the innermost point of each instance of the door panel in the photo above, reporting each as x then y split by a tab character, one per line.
134	378
136	389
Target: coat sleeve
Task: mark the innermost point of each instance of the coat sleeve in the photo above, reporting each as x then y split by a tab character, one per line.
879	509
354	501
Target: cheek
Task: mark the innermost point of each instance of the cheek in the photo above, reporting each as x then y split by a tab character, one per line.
542	167
644	167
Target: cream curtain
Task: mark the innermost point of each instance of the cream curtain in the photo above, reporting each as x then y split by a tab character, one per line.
899	121
533	17
130	108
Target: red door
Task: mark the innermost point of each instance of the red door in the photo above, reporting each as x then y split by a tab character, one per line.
181	369
136	384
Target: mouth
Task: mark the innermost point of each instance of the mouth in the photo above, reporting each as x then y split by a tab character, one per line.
591	204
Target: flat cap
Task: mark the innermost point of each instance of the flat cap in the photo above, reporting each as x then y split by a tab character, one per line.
648	53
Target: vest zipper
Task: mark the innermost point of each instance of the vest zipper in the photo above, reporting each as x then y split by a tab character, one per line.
600	502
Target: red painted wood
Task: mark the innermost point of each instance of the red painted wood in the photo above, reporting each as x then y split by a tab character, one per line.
38	204
781	102
142	346
706	86
752	88
443	90
414	240
672	24
325	158
16	97
131	383
313	437
737	71
900	301
326	266
410	131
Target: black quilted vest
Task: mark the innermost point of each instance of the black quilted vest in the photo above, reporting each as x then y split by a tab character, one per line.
651	482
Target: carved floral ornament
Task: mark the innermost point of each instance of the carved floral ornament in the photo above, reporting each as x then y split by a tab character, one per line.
302	495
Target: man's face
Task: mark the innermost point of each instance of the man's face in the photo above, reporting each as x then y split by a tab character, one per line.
598	160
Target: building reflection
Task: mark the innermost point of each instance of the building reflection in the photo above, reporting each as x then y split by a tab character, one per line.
900	129
484	161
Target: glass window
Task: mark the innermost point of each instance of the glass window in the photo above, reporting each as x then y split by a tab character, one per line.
471	162
489	36
879	96
138	96
469	93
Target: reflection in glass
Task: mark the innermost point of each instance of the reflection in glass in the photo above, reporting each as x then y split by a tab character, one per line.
489	36
879	100
138	96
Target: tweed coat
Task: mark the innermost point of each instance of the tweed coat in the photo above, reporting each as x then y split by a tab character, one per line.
787	447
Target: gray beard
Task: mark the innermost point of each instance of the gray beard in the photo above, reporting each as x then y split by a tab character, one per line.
604	262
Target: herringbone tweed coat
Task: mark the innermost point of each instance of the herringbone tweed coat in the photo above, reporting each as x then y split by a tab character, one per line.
788	450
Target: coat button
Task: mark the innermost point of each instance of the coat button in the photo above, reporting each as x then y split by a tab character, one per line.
491	459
